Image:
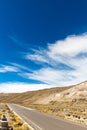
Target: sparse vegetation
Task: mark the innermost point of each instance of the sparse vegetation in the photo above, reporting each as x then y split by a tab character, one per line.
29	97
74	109
14	120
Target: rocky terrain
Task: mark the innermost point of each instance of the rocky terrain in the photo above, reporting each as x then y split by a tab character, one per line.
75	93
69	103
13	120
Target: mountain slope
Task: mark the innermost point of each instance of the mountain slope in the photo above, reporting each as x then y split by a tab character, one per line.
46	96
77	92
30	97
65	102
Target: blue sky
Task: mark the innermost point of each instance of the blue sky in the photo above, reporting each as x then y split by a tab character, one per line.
43	43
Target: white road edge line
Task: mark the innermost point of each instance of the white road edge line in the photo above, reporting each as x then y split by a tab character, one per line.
55	118
34	124
24	107
31	128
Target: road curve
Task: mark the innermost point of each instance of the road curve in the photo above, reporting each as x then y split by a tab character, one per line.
41	121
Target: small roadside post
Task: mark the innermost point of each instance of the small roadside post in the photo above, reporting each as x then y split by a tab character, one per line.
4	123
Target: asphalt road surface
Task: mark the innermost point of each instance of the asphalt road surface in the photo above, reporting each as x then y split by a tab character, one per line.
41	121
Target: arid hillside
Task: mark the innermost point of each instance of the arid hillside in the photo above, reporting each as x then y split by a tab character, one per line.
69	103
30	97
76	92
47	96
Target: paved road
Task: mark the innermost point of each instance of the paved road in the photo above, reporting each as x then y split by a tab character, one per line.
41	121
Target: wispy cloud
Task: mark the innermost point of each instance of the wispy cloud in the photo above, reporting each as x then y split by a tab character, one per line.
63	63
6	68
36	57
21	67
70	52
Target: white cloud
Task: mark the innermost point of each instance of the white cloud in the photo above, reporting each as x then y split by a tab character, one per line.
71	46
71	52
55	77
5	68
20	87
47	75
66	59
36	57
21	67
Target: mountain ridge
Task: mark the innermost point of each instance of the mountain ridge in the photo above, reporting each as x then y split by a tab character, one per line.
78	91
45	96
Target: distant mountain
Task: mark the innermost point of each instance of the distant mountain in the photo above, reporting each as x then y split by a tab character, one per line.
46	96
30	97
78	91
65	102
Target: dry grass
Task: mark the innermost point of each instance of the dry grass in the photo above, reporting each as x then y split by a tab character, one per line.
30	97
74	110
14	120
